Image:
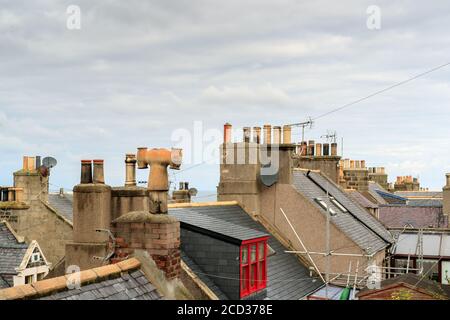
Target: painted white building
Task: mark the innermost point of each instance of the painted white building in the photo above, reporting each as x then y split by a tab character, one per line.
20	263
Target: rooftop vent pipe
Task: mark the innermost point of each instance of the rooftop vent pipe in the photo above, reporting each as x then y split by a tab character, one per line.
86	171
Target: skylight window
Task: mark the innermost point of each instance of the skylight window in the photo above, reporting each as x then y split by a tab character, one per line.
325	206
339	205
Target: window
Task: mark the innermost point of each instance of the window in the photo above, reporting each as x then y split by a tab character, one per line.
338	205
325	206
28	279
253	264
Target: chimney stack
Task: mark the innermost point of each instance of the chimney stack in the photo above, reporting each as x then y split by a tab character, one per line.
267	134
99	173
130	170
287	134
277	135
226	133
257	135
247	134
86	172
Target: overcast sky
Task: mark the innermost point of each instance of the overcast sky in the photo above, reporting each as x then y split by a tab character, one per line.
138	70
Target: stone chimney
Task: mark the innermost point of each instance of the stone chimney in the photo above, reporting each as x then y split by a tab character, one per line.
91	218
446	196
33	182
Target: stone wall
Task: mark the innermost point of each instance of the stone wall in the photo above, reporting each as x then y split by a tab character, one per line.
40	222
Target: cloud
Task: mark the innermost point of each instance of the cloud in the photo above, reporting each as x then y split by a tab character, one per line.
138	70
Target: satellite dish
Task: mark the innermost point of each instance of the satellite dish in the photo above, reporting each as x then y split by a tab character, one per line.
268	178
193	192
49	162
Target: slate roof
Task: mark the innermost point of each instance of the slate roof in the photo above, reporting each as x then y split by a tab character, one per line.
425	203
358	224
63	204
12	253
398	216
191	219
361	199
420	194
122	281
373	187
128	286
287	277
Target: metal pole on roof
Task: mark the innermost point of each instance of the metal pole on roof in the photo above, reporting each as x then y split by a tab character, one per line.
356	278
327	275
302	244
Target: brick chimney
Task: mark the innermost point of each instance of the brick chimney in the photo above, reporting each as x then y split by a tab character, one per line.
446	196
156	232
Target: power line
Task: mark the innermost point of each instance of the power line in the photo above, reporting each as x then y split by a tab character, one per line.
382	91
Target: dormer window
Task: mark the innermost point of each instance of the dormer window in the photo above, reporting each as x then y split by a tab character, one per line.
253	265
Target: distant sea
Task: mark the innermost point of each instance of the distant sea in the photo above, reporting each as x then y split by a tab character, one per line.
205	196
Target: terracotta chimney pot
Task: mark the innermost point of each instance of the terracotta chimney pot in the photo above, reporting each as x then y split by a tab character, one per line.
86	171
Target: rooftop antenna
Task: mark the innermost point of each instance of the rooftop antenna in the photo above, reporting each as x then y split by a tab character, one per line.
304	125
331	136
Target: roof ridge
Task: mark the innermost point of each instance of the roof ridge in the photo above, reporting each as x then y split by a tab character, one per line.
48	286
201	204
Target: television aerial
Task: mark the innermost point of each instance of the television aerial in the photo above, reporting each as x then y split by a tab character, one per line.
331	136
304	125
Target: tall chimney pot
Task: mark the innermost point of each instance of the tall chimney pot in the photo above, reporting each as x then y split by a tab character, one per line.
86	171
334	149
38	162
287	135
181	187
99	172
447	176
267	134
130	170
326	149
277	135
31	163
257	135
227	133
247	134
318	149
